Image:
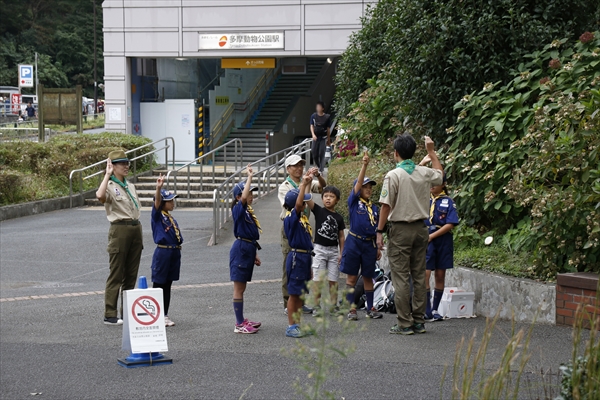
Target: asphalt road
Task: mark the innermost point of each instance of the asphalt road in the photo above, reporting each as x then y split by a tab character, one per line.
59	347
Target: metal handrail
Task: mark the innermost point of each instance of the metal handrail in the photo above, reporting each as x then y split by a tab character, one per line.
271	171
134	159
237	158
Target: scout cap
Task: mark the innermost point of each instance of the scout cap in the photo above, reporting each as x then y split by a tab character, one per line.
366	181
166	195
293	160
239	188
292	196
118	156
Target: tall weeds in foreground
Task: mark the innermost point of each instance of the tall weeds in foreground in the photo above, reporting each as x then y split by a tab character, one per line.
319	353
470	379
581	376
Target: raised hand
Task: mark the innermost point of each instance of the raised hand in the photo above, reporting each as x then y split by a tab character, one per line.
308	178
429	145
313	171
160	181
249	170
365	158
109	167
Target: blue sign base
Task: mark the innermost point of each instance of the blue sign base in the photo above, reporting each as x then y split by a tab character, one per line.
144	360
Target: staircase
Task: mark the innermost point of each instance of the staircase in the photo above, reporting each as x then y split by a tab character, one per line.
254	144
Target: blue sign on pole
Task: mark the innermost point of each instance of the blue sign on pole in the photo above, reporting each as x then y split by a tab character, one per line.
25	75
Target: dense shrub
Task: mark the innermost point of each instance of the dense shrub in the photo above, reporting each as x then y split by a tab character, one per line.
433	52
33	171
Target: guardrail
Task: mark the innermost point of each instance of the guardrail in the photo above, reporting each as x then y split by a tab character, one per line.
131	160
236	161
268	175
24	134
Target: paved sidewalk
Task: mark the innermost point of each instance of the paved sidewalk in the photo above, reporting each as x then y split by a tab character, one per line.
54	342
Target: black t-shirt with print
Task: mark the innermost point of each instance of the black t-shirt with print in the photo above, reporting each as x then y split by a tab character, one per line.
328	225
321	123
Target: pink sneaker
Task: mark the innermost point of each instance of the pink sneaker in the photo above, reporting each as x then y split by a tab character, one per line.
252	324
244	328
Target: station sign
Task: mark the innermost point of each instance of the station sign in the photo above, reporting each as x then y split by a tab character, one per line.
241	41
25	76
247	63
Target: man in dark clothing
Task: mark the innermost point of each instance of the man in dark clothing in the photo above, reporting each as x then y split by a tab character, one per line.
30	111
320	128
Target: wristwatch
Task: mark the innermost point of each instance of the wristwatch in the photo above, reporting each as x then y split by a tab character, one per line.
380	230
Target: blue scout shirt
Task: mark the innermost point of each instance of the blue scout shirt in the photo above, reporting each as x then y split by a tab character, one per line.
362	223
442	212
298	236
243	223
165	229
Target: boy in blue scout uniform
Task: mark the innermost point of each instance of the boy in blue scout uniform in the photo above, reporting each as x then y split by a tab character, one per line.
440	251
360	250
166	261
243	255
299	260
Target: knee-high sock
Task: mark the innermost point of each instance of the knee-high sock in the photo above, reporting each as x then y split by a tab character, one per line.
369	294
428	310
238	308
350	295
437	297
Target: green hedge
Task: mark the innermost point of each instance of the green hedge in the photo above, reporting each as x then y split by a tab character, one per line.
33	171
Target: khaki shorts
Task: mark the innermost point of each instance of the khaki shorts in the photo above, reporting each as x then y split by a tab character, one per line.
325	262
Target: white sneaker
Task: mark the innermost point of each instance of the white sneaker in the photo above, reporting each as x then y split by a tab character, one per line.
168	321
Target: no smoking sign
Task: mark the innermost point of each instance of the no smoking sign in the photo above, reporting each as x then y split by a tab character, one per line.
144	323
145	310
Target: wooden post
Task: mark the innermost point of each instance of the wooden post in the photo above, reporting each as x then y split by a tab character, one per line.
80	114
41	130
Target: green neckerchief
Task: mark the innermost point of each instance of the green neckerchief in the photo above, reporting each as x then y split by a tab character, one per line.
407	165
124	186
291	181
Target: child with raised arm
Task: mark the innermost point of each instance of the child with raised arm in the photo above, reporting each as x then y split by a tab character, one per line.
243	255
360	250
298	263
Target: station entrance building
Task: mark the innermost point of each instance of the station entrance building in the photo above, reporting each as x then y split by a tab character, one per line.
203	70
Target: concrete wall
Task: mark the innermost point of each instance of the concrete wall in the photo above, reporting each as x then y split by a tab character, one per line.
504	295
171	29
297	122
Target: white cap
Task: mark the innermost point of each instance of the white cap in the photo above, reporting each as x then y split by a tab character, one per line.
293	160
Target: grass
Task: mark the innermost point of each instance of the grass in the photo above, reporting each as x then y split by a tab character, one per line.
32	171
495	258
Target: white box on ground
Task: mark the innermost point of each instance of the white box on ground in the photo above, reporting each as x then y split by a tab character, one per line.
456	303
144	321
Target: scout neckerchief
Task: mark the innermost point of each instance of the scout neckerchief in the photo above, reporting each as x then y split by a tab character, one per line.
124	186
173	224
433	201
304	222
295	185
407	165
251	212
369	206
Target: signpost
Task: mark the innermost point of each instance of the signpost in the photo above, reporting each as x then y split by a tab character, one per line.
59	106
25	76
144	331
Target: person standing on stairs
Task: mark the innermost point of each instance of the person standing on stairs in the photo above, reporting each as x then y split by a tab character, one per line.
320	129
125	243
294	166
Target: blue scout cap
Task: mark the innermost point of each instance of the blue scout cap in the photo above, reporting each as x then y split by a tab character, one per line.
239	188
166	195
292	196
366	181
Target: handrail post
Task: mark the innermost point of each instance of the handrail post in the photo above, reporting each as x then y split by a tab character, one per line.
166	155
188	185
134	163
236	155
70	191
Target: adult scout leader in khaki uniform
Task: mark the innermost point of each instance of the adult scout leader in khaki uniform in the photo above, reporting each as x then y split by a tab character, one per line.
125	242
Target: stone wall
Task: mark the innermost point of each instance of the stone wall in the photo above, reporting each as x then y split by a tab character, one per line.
503	295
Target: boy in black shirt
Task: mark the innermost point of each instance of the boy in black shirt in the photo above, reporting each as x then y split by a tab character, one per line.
328	244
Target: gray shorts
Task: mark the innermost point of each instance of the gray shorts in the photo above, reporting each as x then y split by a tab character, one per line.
325	262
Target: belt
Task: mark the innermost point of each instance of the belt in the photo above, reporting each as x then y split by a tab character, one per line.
408	222
169	246
254	242
365	238
301	251
132	222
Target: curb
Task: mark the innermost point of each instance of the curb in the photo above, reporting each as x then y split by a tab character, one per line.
42	206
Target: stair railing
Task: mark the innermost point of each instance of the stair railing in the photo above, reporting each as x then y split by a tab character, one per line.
236	163
270	172
149	152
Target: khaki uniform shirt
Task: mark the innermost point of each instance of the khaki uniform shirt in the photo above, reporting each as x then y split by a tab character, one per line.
286	186
408	194
118	204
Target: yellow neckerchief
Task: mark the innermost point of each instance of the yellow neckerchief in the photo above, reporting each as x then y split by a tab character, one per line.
251	212
432	207
304	222
369	206
173	224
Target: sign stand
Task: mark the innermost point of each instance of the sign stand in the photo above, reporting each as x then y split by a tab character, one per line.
144	333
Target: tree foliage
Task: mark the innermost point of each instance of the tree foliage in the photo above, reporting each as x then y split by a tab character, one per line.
435	52
61	32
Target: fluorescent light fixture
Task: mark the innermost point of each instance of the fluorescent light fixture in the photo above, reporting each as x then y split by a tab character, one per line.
329	60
